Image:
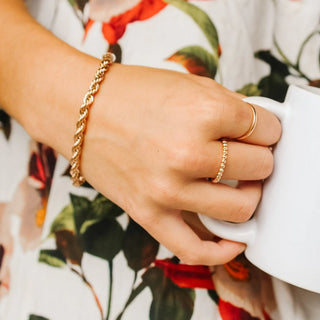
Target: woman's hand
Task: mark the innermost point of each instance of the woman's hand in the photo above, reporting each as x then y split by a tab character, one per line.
152	142
152	136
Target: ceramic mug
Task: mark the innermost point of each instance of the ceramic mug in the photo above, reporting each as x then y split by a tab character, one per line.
283	237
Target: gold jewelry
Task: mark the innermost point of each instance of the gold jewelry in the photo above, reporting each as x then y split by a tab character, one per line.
223	162
252	125
106	62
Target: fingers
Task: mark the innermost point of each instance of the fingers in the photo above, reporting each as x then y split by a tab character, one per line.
244	161
170	230
220	201
237	118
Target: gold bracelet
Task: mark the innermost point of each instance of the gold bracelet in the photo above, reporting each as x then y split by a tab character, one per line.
106	62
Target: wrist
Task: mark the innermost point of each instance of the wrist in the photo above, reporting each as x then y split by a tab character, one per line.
52	119
43	80
88	100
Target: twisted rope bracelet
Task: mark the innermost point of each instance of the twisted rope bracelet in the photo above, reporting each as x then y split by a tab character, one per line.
106	62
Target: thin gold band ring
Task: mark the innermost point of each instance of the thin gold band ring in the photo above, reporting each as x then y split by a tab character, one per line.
252	125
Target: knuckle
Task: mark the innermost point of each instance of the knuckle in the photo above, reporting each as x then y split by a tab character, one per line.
184	158
164	192
212	111
211	115
207	102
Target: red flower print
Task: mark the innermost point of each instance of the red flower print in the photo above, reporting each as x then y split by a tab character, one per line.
41	168
231	312
266	316
245	292
185	275
114	29
238	270
36	170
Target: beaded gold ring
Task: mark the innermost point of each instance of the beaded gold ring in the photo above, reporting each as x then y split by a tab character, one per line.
223	161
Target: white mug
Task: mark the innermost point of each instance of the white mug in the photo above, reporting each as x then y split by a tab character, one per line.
283	237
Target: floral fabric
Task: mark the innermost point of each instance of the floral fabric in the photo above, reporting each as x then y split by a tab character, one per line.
69	253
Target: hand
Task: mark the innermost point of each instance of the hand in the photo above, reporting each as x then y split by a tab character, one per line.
151	143
152	138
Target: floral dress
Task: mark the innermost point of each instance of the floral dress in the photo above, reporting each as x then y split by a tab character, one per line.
69	253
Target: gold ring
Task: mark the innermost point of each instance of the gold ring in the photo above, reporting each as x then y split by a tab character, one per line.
252	125
223	161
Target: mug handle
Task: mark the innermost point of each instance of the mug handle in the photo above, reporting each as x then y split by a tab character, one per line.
243	232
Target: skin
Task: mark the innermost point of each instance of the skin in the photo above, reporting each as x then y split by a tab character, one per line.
149	150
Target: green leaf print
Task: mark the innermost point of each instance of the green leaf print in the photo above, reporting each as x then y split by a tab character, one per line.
64	221
250	90
214	296
73	2
81	210
201	18
134	294
89	226
79	4
35	317
139	248
104	208
100	208
196	60
69	245
169	300
103	239
303	45
274	85
53	258
274	63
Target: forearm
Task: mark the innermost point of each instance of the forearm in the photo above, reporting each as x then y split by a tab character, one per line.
42	79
